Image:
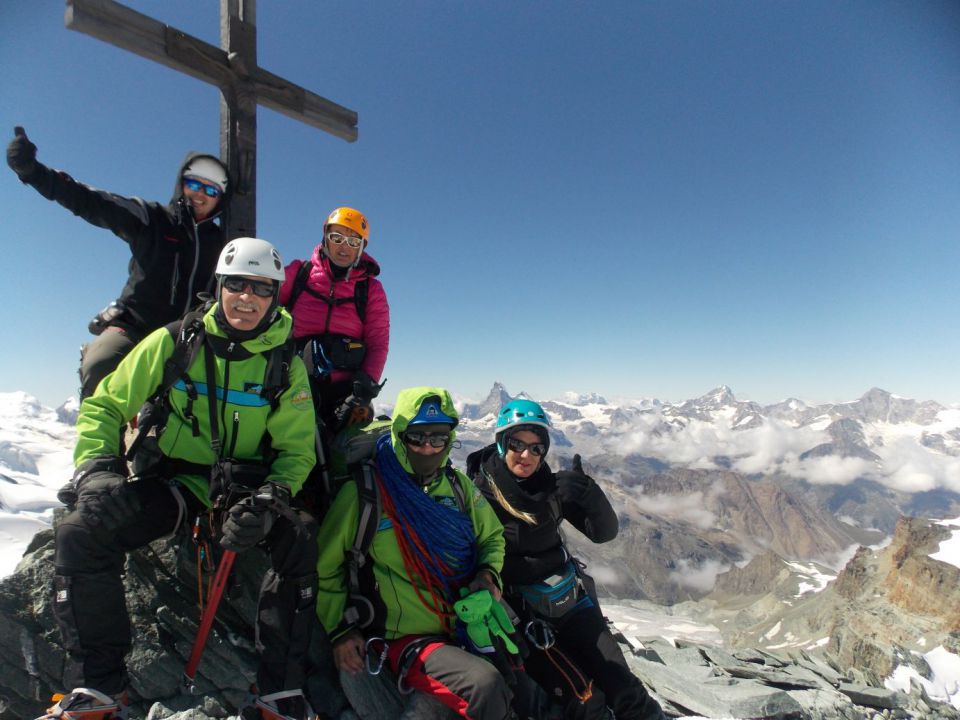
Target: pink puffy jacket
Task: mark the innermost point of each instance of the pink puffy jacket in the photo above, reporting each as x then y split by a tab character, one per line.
313	316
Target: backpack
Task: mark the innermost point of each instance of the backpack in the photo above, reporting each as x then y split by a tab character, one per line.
360	291
355	453
189	335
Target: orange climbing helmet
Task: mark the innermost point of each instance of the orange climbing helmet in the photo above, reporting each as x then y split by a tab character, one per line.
348	217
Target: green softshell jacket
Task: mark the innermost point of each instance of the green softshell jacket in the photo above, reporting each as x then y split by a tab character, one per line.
242	412
405	613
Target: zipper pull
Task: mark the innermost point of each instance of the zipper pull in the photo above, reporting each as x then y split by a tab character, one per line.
236	431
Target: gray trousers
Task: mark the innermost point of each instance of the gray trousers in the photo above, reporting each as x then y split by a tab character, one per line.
100	356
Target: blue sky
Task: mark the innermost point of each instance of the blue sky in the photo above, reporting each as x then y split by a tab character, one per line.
642	199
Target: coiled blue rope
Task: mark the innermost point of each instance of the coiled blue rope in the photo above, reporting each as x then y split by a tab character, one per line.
446	533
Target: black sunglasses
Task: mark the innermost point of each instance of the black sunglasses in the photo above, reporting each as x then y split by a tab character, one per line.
257	287
518	446
418	438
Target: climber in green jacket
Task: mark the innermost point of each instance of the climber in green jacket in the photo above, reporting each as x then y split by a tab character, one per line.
436	535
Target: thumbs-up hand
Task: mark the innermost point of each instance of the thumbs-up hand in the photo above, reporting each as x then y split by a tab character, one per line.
573	484
21	154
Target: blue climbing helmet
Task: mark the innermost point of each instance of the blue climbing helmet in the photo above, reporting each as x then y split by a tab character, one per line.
520	412
431	413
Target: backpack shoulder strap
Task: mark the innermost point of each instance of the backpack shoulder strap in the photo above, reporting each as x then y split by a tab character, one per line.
370	507
299	283
360	292
188	335
276	379
458	492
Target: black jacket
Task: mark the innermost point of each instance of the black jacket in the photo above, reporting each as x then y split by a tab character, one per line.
173	257
535	552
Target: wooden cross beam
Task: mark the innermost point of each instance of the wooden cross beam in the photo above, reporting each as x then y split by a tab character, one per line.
232	68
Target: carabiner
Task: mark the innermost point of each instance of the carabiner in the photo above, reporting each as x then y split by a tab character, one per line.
367	654
540	634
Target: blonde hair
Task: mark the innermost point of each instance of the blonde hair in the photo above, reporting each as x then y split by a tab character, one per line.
528	518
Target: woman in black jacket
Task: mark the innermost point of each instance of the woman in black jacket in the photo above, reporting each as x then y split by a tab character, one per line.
173	248
571	648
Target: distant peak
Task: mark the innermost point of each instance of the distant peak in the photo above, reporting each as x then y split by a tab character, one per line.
498	392
721	395
581	399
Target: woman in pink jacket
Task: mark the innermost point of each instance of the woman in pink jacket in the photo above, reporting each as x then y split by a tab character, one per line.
341	320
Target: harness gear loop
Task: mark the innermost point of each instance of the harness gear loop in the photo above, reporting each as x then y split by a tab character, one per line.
409	655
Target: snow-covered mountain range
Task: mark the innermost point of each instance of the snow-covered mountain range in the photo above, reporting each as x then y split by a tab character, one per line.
36	459
906	445
866	461
705	485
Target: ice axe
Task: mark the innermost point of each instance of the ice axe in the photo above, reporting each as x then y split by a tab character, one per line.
206	620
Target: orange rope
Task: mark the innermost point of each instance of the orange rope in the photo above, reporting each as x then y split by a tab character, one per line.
587	684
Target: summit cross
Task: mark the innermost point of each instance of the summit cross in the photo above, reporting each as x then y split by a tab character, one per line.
232	68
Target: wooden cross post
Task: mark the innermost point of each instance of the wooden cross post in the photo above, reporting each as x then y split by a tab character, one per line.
232	68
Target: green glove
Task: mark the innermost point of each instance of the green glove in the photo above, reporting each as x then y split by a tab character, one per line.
484	619
502	626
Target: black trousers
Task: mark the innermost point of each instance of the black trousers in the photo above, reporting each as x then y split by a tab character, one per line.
90	607
583	636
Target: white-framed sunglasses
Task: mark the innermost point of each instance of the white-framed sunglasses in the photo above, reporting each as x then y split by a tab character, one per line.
339	238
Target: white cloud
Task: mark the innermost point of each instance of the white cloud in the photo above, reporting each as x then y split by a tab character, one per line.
701	578
691	507
775	446
828	470
911	467
603	574
697	443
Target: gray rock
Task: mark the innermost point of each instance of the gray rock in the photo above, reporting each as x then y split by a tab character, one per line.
820	668
790	679
873	696
714	695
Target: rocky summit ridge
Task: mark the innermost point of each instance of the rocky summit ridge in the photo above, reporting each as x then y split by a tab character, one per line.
796	533
841	679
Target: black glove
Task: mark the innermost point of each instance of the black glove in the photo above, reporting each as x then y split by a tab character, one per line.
365	387
575	483
103	497
245	524
22	154
353	411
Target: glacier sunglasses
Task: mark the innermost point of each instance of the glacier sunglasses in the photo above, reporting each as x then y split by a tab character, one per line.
339	238
418	438
239	284
196	186
518	446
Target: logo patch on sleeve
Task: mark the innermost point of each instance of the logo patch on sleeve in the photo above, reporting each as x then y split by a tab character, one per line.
300	398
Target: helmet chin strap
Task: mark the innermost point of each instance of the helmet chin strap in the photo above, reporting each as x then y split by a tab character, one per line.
349	268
